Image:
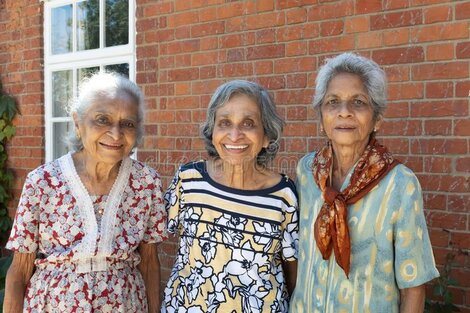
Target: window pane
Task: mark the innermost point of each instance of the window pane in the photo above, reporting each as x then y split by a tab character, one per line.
60	132
122	69
61	92
86	72
61	32
117	22
88	25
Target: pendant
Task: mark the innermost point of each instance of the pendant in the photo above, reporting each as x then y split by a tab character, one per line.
100	211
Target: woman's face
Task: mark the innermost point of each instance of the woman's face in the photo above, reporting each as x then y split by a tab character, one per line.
238	134
347	114
109	128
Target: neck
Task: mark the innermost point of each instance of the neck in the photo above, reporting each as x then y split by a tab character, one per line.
240	176
344	158
97	177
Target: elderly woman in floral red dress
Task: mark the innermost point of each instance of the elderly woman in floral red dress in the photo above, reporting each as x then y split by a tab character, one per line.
87	224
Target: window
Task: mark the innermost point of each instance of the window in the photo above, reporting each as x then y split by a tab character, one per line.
81	38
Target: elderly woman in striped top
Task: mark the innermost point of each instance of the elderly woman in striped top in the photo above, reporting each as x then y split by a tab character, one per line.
236	219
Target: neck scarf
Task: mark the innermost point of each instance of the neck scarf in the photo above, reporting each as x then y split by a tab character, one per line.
331	229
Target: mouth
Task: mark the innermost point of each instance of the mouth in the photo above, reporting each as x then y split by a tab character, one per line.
236	148
345	128
111	146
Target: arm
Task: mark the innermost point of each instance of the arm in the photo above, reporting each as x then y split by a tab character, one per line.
290	271
18	275
150	269
412	299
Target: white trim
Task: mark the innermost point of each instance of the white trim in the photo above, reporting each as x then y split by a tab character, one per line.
80	59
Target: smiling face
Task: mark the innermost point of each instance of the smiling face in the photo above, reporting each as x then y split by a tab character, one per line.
238	134
347	114
108	129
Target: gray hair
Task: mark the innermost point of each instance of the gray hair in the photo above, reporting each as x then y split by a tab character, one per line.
272	123
372	76
105	85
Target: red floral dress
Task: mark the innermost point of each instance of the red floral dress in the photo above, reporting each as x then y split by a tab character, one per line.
86	262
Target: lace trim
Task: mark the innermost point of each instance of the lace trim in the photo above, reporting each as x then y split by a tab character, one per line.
86	249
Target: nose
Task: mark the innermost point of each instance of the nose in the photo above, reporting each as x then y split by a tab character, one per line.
115	132
235	133
345	109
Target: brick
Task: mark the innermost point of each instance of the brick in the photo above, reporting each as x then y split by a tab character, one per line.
395	4
462	89
296	65
206	29
404	91
397	146
396	37
205	58
263	67
369	40
272	82
301	129
181	19
437	14
368	6
398	55
330	11
403	127
208	43
265	36
205	87
439	108
397	73
236	40
458	203
208	72
356	24
331	28
434	201
397	109
440	52
399	19
439	238
235	55
443	183
462	10
208	14
264	20
463	164
439	146
183	32
462	127
463	50
296	15
232	70
447	70
296	48
330	45
439	90
437	165
296	80
458	30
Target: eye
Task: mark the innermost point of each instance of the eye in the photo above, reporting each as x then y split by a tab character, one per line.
128	124
224	123
358	103
331	102
248	124
102	120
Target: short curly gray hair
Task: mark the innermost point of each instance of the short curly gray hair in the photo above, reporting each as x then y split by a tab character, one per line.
105	85
372	76
272	122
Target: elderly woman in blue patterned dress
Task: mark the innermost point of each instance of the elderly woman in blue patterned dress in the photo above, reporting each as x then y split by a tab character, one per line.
237	220
87	224
363	241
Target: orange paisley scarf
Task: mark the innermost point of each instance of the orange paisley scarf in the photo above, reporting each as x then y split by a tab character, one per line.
331	226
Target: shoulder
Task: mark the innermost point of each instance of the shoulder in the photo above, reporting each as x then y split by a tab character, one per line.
305	163
139	169
46	170
192	169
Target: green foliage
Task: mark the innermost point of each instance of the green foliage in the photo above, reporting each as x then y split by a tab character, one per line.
8	110
443	302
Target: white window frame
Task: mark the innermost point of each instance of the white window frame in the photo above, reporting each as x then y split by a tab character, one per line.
80	59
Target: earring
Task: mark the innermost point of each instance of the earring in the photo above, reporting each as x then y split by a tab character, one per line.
322	131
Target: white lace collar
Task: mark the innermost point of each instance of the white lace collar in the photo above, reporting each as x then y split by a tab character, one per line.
87	247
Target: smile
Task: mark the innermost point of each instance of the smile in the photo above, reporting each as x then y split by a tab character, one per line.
235	147
111	146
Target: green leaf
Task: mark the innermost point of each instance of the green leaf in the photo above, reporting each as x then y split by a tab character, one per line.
9	131
8	107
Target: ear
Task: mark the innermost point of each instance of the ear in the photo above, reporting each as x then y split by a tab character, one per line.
265	142
76	122
378	123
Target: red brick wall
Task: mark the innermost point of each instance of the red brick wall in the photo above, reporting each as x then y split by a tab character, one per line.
187	48
21	74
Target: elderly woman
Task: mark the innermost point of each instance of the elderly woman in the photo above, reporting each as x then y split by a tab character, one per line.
87	224
237	220
363	243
